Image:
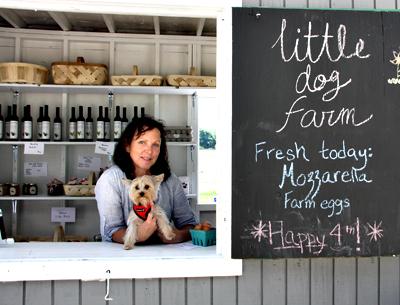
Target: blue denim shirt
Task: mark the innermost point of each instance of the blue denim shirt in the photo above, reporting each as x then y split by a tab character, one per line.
114	204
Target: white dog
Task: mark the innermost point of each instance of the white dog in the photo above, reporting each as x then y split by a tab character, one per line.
142	191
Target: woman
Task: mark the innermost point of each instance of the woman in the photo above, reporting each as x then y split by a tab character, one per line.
141	150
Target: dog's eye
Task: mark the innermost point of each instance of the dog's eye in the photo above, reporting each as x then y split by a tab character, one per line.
137	187
146	187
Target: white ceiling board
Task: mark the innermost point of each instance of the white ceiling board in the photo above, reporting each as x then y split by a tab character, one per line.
107	23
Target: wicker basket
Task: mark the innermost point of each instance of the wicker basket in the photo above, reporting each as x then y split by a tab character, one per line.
20	72
81	189
136	80
78	73
191	80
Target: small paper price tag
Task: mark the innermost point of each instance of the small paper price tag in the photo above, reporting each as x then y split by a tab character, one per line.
104	148
89	163
34	148
35	169
63	214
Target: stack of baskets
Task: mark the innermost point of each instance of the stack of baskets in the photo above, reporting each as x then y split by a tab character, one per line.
81	73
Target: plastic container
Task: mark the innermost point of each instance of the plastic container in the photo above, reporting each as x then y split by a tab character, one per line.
203	238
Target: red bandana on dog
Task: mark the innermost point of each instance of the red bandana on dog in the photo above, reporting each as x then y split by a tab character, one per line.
141	211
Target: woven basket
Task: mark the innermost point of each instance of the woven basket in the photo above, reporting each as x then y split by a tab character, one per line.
78	73
136	80
81	189
191	80
20	72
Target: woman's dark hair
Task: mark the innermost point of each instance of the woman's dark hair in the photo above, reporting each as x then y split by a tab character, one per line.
135	129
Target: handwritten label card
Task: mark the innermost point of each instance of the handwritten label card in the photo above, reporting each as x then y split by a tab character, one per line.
104	148
63	214
89	163
34	148
35	169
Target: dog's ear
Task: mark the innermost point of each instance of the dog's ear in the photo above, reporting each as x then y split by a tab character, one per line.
157	180
127	182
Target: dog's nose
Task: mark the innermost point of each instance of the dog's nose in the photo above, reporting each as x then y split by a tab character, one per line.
141	194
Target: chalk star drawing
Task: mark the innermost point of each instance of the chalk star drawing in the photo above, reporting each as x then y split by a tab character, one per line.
376	231
259	232
395	61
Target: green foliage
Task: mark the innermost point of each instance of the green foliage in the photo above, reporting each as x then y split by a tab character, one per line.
207	139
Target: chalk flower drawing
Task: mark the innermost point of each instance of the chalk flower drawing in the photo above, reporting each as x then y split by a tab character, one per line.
259	232
396	62
375	232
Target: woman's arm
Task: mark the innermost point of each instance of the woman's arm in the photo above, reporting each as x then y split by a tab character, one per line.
109	198
144	230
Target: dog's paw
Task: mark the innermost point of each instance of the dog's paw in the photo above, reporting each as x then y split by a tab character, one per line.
169	235
128	246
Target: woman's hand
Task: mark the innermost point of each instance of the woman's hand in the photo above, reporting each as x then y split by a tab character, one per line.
148	227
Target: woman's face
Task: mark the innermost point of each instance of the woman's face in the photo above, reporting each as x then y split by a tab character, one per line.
144	151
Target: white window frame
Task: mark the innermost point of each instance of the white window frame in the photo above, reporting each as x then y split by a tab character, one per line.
50	262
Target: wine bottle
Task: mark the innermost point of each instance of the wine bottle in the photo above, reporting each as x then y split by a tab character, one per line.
80	125
1	126
57	126
89	125
39	124
135	113
27	123
72	125
107	126
100	125
8	120
3	234
117	124
14	123
46	124
124	120
142	112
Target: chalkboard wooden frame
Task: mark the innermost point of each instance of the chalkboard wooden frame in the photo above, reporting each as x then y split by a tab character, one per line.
316	114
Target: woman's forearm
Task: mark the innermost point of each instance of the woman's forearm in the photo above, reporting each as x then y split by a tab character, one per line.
118	236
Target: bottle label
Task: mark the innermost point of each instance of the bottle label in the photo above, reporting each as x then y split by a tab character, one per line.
45	130
117	129
89	131
39	130
100	130
13	130
72	131
27	130
7	130
107	130
57	132
80	130
124	124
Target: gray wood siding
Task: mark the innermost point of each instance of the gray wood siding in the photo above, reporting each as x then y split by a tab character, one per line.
317	281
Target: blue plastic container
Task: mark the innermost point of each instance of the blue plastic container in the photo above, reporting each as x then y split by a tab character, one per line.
204	238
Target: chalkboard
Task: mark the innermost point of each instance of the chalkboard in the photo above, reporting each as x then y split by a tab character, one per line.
315	133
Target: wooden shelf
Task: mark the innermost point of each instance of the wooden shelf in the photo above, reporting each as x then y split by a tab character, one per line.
44	197
68	143
85	89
